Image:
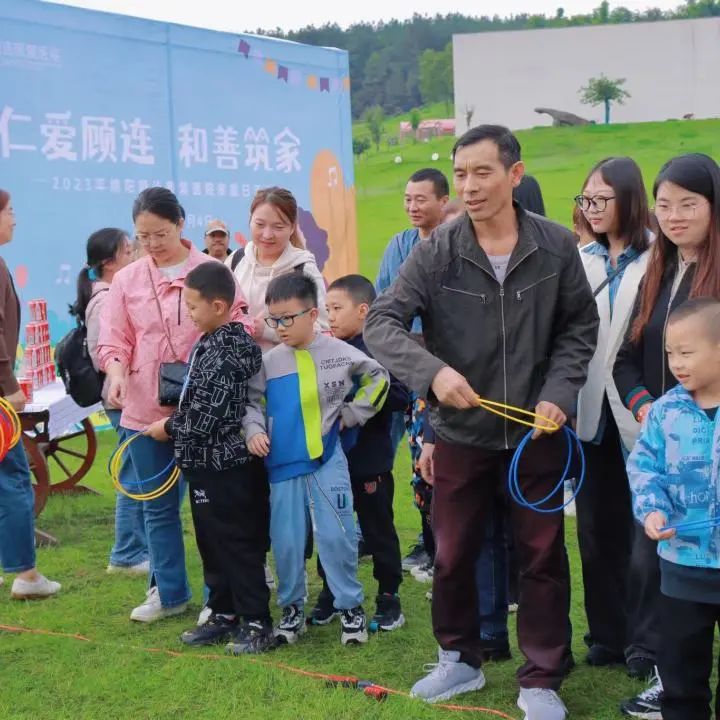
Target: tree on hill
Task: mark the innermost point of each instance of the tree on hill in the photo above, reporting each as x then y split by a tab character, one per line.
436	76
385	56
375	119
415	119
603	91
361	146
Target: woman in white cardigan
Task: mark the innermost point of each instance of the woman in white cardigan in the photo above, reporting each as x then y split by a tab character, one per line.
614	205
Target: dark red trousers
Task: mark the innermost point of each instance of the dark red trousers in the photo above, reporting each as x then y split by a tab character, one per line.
466	479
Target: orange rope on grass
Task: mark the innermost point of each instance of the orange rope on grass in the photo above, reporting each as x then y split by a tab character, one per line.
372	691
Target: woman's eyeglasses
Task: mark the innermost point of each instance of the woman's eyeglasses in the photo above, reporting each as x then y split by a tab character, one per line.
684	211
599	202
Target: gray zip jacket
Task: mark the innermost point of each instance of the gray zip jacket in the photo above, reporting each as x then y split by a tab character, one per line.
526	340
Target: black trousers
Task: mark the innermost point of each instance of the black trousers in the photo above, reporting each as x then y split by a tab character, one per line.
643	598
373	503
685	658
231	514
605	529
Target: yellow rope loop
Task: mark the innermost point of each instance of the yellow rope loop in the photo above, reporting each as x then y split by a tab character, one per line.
498	408
14	418
116	466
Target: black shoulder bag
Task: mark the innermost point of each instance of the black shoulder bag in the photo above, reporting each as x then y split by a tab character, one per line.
171	375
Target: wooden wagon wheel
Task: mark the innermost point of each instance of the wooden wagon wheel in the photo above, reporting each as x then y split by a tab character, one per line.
72	458
39	470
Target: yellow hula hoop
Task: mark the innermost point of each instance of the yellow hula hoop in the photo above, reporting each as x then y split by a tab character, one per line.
497	408
116	465
14	421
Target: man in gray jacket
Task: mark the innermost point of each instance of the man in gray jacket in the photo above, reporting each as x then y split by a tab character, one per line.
507	314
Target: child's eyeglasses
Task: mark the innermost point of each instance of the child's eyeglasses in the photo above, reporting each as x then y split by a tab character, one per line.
284	320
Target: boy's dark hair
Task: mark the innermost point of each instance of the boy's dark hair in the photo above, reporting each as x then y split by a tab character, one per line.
358	287
507	144
214	281
438	179
707	308
292	286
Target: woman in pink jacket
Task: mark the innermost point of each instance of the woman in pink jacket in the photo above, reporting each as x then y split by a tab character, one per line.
145	323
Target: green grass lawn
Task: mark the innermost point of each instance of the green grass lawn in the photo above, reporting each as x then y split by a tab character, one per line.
55	678
114	676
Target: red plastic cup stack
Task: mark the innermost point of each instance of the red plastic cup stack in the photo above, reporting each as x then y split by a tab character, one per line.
26	385
39	368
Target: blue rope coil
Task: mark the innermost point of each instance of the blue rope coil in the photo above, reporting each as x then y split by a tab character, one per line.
574	446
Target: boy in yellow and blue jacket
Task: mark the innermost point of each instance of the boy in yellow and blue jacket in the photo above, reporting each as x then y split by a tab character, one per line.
297	407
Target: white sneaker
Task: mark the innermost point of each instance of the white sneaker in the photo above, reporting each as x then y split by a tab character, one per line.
423	574
269	578
140	570
541	704
34	589
204	615
152	609
447	678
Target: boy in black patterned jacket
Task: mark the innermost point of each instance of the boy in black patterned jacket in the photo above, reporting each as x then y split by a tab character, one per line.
229	492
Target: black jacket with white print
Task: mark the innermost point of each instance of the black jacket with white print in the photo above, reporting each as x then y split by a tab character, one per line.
206	427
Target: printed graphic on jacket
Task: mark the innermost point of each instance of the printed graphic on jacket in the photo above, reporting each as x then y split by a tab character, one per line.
303	393
675	468
207	426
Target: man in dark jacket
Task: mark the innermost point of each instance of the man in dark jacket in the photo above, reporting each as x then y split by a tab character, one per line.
507	314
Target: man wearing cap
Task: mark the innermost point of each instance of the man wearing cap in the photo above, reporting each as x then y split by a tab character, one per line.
217	239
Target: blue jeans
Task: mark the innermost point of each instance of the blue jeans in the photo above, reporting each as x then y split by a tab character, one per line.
491	577
325	499
163	526
17	514
130	546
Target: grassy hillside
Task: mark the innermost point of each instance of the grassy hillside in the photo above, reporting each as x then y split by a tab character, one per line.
559	157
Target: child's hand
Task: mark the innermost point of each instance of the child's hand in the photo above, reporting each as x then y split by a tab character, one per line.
157	431
654	524
259	445
425	464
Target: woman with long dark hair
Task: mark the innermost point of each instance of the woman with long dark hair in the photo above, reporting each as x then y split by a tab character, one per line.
614	207
684	263
108	251
17	521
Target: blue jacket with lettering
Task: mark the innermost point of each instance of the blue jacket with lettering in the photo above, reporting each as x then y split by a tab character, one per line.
675	468
299	398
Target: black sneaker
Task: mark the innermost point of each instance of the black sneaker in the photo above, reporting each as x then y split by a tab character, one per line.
568	662
417	557
600	656
292	625
388	614
217	629
354	626
646	705
252	638
640	668
324	611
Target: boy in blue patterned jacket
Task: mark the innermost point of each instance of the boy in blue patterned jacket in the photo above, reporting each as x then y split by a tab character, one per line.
674	473
297	407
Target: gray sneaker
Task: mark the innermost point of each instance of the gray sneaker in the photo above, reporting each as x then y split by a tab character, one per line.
447	678
541	704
